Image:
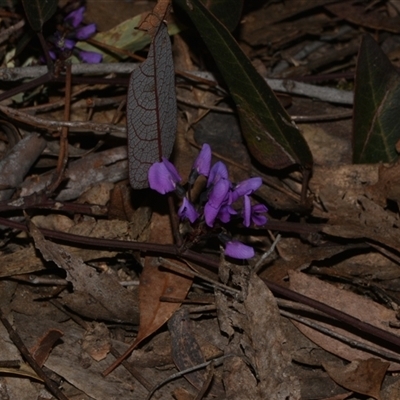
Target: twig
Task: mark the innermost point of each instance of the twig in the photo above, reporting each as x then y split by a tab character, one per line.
132	370
98	128
191	272
266	255
54	390
6	33
351	342
63	153
282	85
216	362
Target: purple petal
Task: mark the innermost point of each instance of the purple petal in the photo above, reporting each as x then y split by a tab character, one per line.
219	193
203	161
90	57
217	172
246	187
225	213
210	213
172	170
85	32
238	250
161	179
187	210
75	17
256	216
246	211
52	55
259	220
66	44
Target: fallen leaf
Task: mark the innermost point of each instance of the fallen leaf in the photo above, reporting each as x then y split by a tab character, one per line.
97	296
360	376
156	283
186	352
350	303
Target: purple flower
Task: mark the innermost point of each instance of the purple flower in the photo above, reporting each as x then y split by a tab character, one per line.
202	164
90	57
225	212
187	210
85	32
75	18
64	46
217	172
218	195
246	187
238	250
163	176
253	213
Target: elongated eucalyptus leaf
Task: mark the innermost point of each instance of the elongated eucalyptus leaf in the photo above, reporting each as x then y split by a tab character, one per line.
376	106
227	11
270	135
39	11
151	110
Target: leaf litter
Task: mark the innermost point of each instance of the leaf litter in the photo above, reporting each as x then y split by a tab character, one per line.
78	307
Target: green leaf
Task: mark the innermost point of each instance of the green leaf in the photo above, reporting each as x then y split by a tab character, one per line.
124	36
376	106
39	11
271	136
228	12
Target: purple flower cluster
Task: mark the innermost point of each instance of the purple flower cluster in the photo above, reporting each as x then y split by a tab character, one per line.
221	194
66	43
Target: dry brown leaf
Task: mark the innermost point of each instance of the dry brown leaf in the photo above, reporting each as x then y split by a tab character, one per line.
262	341
96	341
357	306
186	352
156	283
23	261
45	344
360	376
96	296
151	21
358	15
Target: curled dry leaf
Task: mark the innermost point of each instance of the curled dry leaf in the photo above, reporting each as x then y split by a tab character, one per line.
186	352
263	342
360	376
16	164
97	296
357	306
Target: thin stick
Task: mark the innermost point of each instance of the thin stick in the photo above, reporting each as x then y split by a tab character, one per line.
216	361
54	390
63	153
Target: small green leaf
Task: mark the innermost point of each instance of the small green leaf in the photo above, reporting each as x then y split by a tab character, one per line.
271	136
376	106
124	36
228	12
39	11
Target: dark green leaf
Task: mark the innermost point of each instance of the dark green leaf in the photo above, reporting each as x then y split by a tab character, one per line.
376	106
270	135
228	12
39	11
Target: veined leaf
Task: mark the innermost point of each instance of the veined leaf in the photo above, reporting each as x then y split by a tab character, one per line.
271	136
151	110
39	11
376	106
